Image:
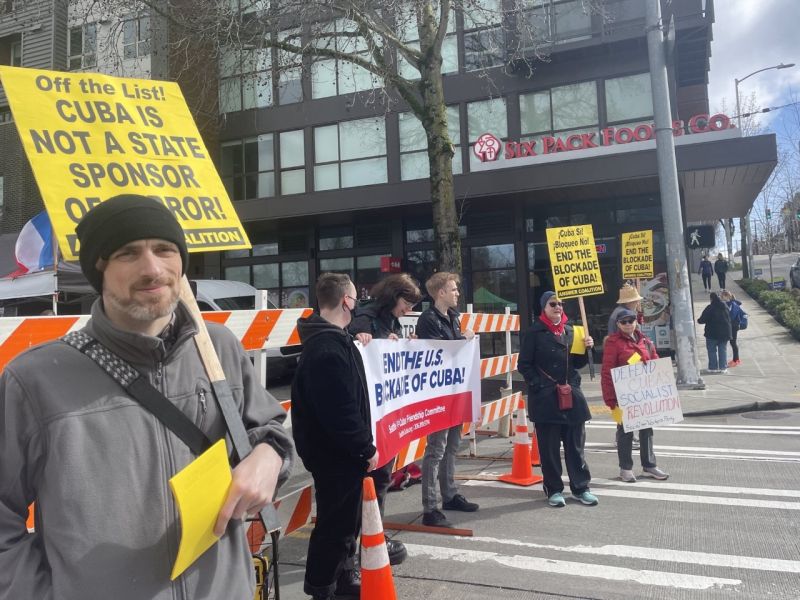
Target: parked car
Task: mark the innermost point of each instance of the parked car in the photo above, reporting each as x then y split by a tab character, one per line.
794	274
220	294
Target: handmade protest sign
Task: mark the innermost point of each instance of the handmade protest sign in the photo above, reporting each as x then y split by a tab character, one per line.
418	387
647	394
637	254
573	260
89	137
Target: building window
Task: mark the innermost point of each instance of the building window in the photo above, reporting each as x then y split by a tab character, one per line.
483	35
629	98
558	21
414	143
245	79
136	36
82	47
486	116
293	161
248	168
565	110
336	238
331	77
406	24
350	154
290	69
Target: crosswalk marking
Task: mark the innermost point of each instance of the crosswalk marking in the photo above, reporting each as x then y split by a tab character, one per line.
707	449
661	554
705	429
630	492
689	487
579	569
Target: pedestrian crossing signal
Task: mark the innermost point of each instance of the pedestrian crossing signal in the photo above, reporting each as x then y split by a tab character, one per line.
700	236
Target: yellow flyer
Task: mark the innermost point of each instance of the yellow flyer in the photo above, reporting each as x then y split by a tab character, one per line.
200	490
89	137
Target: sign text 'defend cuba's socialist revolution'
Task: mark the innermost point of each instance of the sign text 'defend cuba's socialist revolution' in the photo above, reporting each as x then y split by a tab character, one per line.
573	259
89	137
637	255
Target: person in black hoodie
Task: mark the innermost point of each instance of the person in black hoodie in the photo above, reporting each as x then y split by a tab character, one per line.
717	319
395	296
333	436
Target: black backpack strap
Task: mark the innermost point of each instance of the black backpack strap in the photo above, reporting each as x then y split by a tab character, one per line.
140	389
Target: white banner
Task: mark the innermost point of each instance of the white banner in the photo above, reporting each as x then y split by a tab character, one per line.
647	394
418	387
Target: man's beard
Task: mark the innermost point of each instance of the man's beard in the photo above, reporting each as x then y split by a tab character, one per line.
145	311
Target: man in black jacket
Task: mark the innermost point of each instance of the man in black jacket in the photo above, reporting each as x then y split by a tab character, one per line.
333	435
440	322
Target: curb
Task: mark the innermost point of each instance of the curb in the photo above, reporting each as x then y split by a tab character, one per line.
743	408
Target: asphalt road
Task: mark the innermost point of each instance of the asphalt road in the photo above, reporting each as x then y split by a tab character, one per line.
725	525
780	265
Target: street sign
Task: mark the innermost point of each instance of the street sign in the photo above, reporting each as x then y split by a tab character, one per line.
700	236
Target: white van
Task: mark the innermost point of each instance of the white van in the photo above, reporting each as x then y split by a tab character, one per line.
220	294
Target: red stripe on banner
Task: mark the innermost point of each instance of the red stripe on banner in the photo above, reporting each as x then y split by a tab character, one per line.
31	332
399	428
220	317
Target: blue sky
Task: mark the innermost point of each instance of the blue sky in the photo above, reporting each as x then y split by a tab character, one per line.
750	35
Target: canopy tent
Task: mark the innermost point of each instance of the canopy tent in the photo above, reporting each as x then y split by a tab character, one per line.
484	296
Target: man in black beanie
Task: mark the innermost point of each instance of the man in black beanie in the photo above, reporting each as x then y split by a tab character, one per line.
96	462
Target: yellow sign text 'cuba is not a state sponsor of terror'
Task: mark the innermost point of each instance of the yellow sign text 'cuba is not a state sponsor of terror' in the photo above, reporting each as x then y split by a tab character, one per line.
89	137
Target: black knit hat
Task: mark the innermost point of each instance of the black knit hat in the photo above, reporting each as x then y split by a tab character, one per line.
545	297
122	219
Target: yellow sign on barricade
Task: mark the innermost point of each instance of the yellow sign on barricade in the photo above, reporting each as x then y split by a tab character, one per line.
89	137
573	259
637	255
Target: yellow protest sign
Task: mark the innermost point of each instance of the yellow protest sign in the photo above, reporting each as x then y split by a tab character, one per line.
573	260
637	255
200	490
89	137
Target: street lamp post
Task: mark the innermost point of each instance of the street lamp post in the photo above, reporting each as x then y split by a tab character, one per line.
744	224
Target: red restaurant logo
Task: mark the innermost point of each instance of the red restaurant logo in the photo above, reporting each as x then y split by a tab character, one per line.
487	147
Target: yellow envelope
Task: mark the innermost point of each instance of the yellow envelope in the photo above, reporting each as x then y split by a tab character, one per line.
635	357
200	490
578	346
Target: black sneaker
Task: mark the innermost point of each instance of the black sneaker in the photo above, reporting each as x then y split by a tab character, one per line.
458	502
435	518
349	584
397	551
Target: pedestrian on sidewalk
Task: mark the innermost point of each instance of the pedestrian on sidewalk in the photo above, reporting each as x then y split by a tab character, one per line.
549	370
721	267
395	296
737	314
621	348
717	319
441	322
332	430
706	270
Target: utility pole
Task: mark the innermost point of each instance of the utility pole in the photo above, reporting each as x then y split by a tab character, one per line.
677	271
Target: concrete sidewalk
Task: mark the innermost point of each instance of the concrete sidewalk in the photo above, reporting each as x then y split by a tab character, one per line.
767	379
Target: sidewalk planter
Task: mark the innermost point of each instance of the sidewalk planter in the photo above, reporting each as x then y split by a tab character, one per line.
784	305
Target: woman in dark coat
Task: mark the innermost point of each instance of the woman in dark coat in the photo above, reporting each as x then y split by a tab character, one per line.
717	319
544	361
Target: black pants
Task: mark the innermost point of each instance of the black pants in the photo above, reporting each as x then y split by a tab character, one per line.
625	448
721	278
734	341
707	282
332	546
550	438
383	479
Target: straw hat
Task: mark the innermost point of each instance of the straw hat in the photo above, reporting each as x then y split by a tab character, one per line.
628	293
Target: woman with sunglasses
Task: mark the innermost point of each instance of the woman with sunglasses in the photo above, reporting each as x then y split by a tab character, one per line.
547	364
624	347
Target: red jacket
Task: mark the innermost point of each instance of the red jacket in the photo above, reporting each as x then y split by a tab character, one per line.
616	352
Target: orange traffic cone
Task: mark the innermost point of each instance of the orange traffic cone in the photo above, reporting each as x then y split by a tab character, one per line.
521	471
536	460
376	574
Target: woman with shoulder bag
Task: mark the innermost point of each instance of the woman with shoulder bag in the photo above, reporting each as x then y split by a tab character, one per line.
737	314
556	403
619	349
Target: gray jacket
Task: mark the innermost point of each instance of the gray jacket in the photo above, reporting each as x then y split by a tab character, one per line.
98	466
